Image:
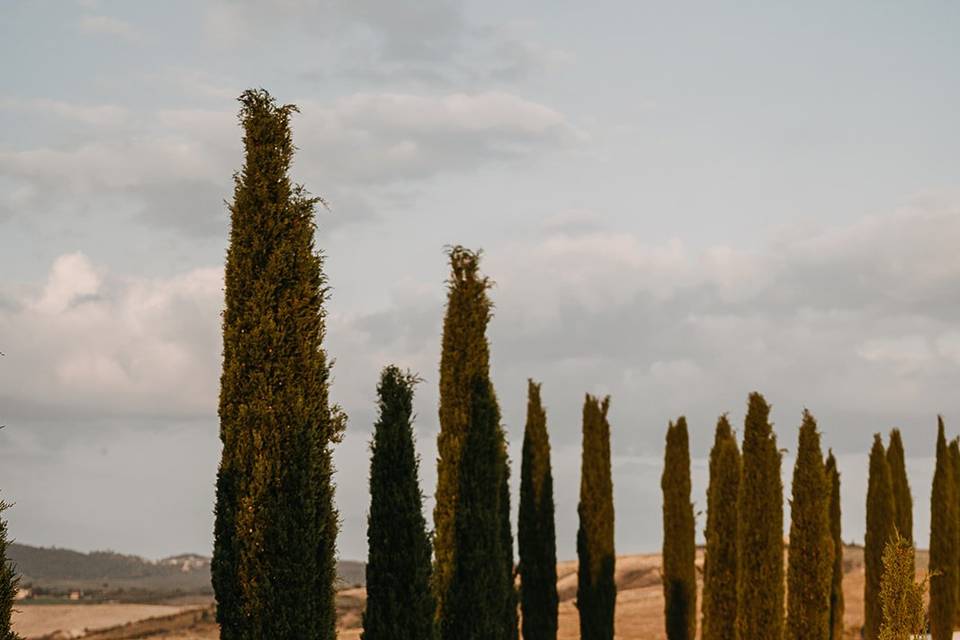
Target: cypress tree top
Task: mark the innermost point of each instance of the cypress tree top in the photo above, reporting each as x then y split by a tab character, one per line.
596	590
879	531
720	563
760	528
537	535
465	356
810	569
399	597
902	500
679	537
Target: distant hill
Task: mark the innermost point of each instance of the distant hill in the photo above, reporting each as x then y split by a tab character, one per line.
57	571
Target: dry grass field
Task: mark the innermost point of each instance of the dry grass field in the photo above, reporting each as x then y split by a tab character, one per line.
73	620
639	609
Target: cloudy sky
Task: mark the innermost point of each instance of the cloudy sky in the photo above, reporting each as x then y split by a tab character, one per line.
679	203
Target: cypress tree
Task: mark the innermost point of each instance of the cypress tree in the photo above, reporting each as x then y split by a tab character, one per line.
399	599
879	531
810	569
9	582
760	529
720	563
943	547
836	582
536	535
902	500
679	544
275	530
596	590
473	608
464	386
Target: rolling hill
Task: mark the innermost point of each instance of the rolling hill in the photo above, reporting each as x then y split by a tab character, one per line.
54	571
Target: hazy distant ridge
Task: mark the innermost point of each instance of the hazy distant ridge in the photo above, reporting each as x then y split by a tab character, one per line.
64	569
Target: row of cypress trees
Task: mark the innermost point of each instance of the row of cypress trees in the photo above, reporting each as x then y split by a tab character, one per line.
276	524
743	593
468	591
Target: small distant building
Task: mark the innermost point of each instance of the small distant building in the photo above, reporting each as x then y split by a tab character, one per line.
75	595
23	593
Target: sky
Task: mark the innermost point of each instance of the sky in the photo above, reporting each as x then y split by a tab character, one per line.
679	203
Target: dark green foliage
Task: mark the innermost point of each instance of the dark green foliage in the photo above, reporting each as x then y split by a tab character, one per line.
879	531
720	563
275	532
760	530
475	595
508	615
9	582
810	569
902	500
679	532
943	541
399	597
468	404
536	535
596	590
836	581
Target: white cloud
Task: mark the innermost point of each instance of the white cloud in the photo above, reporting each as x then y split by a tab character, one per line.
110	26
87	343
71	279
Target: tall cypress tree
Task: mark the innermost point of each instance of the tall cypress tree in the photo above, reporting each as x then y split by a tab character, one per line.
943	541
9	582
902	500
879	531
720	563
760	530
275	531
679	536
473	606
536	535
596	590
836	582
810	569
399	599
464	386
